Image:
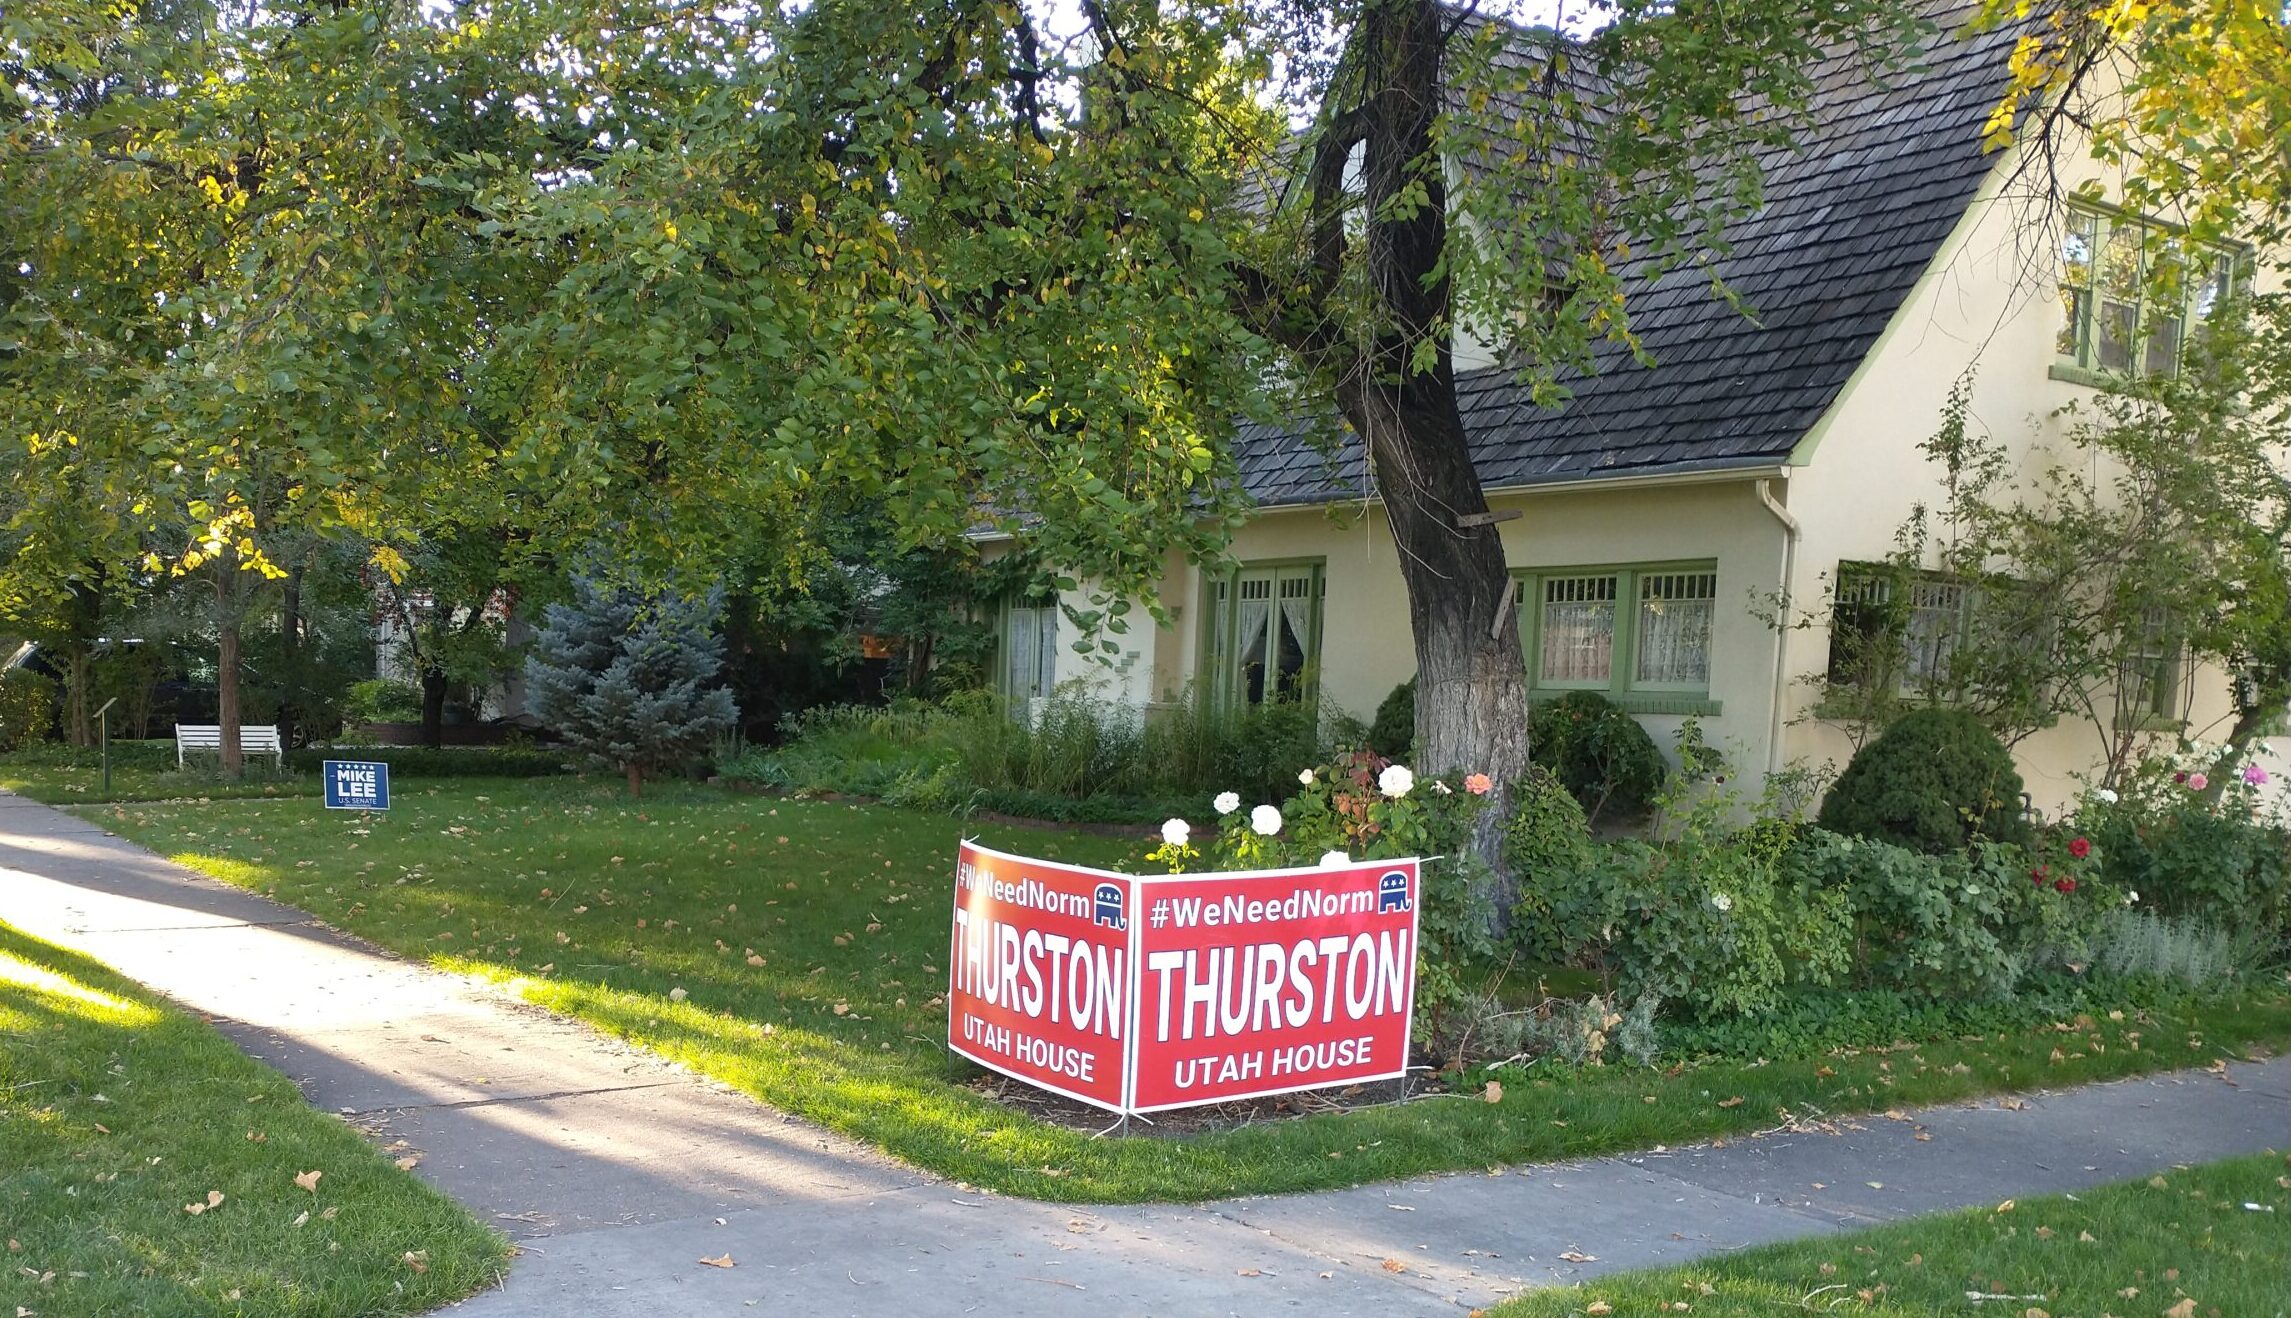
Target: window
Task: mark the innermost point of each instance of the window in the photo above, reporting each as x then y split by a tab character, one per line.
1029	647
1263	635
1893	626
2150	692
2131	293
1625	631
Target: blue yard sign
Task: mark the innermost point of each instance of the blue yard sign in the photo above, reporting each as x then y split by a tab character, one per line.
357	785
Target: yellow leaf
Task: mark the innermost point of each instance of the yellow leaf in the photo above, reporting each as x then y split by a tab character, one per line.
720	1261
308	1180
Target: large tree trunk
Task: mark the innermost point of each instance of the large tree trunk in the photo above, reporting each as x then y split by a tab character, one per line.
1471	679
227	694
290	650
84	624
434	685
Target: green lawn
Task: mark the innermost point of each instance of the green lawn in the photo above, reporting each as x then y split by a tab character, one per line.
2202	1242
119	1111
141	771
809	939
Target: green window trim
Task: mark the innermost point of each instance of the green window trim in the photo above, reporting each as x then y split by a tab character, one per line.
1616	628
2121	314
1279	589
2153	688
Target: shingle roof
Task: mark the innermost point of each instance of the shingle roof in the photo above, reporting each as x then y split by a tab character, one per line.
1850	221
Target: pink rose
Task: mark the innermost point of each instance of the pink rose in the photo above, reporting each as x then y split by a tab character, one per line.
2197	782
1479	784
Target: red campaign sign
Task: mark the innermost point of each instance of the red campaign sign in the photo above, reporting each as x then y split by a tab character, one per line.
1143	993
1041	973
1271	981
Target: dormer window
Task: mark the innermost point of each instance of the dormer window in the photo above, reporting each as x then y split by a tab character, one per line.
2131	293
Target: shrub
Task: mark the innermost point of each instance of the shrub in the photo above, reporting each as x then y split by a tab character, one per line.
1715	924
379	700
1969	924
635	681
1547	844
1935	781
2187	852
27	708
1597	750
1393	734
2190	949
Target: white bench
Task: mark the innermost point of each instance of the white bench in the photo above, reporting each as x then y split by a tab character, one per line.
254	739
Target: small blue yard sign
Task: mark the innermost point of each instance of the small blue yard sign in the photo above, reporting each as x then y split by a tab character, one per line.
357	785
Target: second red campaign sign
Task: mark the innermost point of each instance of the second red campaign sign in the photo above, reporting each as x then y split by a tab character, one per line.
1144	993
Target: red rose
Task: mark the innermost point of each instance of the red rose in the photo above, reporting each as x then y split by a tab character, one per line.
2064	885
2080	848
2037	875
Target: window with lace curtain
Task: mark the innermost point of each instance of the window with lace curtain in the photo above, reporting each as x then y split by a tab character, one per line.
1628	631
1029	634
1263	632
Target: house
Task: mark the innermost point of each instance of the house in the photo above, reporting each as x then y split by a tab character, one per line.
1663	510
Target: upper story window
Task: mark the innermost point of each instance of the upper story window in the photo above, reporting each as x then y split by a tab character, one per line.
2131	293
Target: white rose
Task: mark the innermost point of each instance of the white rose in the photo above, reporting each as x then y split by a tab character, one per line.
1396	781
1722	902
2130	898
1332	859
1266	820
1175	832
2105	797
1227	802
1305	776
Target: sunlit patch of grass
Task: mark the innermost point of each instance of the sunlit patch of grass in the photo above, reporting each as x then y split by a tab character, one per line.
118	1111
808	940
2200	1242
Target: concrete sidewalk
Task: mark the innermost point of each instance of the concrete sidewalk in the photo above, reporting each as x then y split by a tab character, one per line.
616	1172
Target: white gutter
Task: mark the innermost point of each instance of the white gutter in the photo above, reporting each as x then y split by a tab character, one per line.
1790	534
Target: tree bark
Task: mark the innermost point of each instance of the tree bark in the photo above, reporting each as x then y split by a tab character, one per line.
635	779
84	627
227	694
433	705
290	647
1471	683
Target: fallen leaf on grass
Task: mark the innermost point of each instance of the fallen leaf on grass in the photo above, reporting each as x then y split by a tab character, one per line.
214	1200
2005	1207
755	960
308	1180
1735	1101
300	1218
417	1259
678	994
2186	1308
409	1162
720	1261
1599	1309
1494	1092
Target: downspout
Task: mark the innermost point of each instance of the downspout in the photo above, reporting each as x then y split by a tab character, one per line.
1790	534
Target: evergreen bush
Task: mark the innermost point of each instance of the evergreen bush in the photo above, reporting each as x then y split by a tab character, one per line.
1599	751
1934	781
635	681
1547	845
1393	733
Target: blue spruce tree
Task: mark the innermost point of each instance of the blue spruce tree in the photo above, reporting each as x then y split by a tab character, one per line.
632	679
